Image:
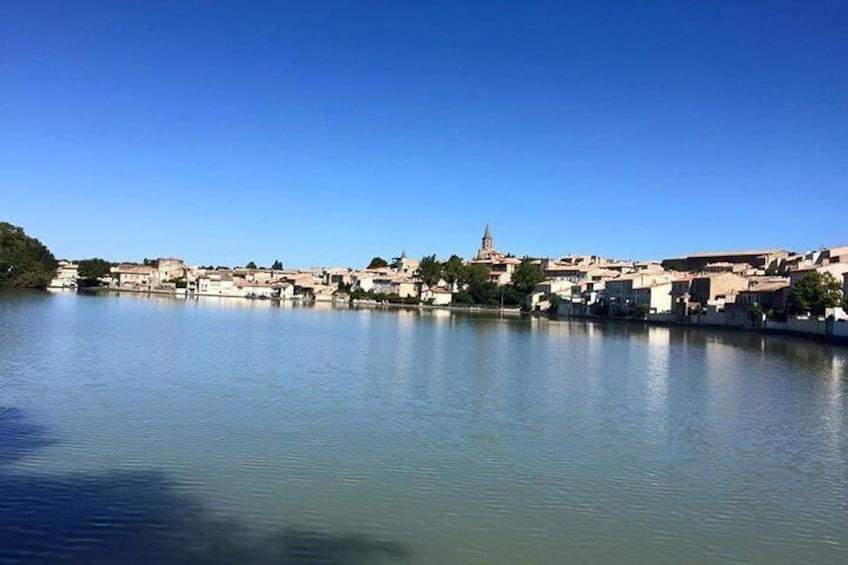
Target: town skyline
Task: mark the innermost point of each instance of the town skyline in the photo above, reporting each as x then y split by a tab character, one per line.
486	230
326	133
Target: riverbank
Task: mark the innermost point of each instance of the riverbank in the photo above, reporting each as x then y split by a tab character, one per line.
824	337
771	329
358	303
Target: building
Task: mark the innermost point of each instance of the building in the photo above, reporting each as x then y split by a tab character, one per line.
136	277
171	268
845	285
437	296
218	283
655	297
395	284
487	249
620	293
770	293
757	258
837	270
404	265
66	277
716	287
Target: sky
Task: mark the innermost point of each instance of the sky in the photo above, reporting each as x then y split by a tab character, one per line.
325	133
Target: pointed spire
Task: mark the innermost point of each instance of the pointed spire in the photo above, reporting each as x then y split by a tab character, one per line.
488	233
403	253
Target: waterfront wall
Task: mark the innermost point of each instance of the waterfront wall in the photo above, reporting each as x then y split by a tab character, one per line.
810	326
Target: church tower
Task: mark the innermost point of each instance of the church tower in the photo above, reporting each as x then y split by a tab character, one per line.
487	246
488	242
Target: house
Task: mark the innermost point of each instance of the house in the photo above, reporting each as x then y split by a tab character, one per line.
726	267
757	258
363	280
218	283
654	297
547	288
838	270
620	292
395	284
256	289
170	268
680	296
67	274
136	277
833	255
405	265
716	287
436	296
770	293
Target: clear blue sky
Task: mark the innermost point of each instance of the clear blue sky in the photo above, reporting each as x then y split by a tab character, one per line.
328	132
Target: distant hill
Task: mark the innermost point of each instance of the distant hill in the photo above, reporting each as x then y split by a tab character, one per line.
24	261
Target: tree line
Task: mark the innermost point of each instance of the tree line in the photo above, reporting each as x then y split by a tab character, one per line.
473	280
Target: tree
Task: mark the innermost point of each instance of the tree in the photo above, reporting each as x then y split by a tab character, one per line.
90	270
277	266
527	275
377	263
474	274
452	269
250	265
93	268
24	261
813	293
430	270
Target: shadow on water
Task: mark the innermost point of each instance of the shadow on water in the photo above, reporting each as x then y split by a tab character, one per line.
141	517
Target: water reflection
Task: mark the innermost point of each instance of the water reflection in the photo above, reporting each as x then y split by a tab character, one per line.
479	438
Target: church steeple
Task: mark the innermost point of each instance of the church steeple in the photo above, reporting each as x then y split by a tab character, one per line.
488	241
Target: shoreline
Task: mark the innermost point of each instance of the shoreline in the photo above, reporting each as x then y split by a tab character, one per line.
511	312
358	303
820	338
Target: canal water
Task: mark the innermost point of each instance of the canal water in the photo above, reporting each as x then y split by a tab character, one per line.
152	430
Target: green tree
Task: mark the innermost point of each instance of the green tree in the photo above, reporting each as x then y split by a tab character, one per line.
452	269
250	265
93	268
430	270
25	262
90	270
377	263
527	275
813	293
474	274
277	266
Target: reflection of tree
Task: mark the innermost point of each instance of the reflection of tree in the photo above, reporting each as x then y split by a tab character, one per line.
140	517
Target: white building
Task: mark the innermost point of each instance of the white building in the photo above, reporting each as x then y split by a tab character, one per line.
218	284
437	296
67	274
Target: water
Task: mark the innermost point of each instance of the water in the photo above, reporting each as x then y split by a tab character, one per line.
139	430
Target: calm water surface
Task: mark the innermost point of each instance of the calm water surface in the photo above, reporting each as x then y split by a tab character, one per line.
139	430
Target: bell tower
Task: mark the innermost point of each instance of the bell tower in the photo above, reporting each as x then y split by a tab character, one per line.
488	242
